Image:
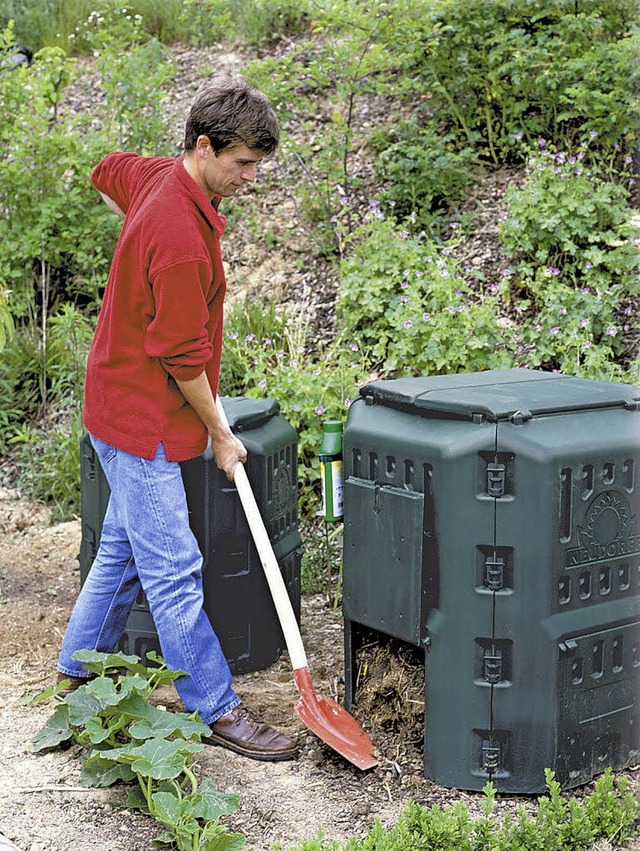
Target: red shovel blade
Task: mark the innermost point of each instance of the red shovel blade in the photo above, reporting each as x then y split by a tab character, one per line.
332	723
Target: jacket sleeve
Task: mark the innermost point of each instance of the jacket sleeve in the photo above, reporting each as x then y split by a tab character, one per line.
117	176
178	334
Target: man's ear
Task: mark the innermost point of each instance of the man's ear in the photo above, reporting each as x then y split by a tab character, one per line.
203	146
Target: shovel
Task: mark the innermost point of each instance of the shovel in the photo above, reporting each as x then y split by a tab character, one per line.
324	717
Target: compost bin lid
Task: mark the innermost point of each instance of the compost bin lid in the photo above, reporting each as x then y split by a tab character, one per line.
244	413
500	394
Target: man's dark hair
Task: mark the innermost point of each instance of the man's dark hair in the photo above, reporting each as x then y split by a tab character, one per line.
230	112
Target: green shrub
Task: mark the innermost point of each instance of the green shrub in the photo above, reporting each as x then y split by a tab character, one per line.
569	232
205	22
309	386
423	170
556	68
404	300
48	461
566	216
318	84
559	822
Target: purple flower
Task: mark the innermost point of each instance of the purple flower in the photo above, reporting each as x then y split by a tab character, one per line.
319	410
404	299
234	335
354	347
554	330
279	355
542	142
262	383
494	288
586	344
562	311
454	224
268	341
444	273
612	331
404	234
348	403
408	323
426	316
333	219
628	310
553	270
518	135
505	272
404	285
628	159
446	251
249	338
588	265
583	323
593	133
457	293
374	206
585	291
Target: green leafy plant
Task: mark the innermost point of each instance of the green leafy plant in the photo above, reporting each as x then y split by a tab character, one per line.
405	301
310	386
126	738
134	71
552	69
566	216
349	57
570	234
422	169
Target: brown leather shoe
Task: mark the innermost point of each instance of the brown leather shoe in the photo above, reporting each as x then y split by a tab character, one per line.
76	682
239	732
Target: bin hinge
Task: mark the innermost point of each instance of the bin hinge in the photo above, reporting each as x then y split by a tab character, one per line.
494	573
491	757
496	476
493	665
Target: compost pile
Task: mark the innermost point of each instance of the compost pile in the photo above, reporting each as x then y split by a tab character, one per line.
389	700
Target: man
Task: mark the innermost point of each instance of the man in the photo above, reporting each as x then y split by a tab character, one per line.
152	379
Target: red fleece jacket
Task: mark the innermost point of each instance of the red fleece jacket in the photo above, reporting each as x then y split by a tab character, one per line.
162	314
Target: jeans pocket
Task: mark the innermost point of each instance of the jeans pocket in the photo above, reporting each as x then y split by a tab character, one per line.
104	451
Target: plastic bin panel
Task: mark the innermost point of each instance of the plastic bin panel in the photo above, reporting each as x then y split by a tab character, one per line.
384	534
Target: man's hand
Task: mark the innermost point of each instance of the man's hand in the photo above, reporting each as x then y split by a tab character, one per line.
111	204
228	451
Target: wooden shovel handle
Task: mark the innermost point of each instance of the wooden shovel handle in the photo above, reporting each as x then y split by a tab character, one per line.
270	564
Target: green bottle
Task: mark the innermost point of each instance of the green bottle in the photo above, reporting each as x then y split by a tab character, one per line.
331	470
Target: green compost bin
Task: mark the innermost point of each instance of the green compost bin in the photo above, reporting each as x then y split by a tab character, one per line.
493	519
236	594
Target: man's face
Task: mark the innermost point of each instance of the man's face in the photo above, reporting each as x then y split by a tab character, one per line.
224	173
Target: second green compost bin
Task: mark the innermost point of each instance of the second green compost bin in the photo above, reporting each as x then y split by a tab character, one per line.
492	519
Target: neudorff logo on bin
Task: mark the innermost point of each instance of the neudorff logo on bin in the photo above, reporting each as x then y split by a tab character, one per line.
606	532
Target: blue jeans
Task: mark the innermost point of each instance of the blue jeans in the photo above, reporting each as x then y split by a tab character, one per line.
147	542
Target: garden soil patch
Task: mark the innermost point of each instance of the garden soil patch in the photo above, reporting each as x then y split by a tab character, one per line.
43	809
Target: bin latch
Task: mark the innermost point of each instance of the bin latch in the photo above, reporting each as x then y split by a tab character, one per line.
493	665
496	476
494	573
490	757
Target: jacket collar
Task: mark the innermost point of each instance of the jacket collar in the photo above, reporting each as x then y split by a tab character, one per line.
209	209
